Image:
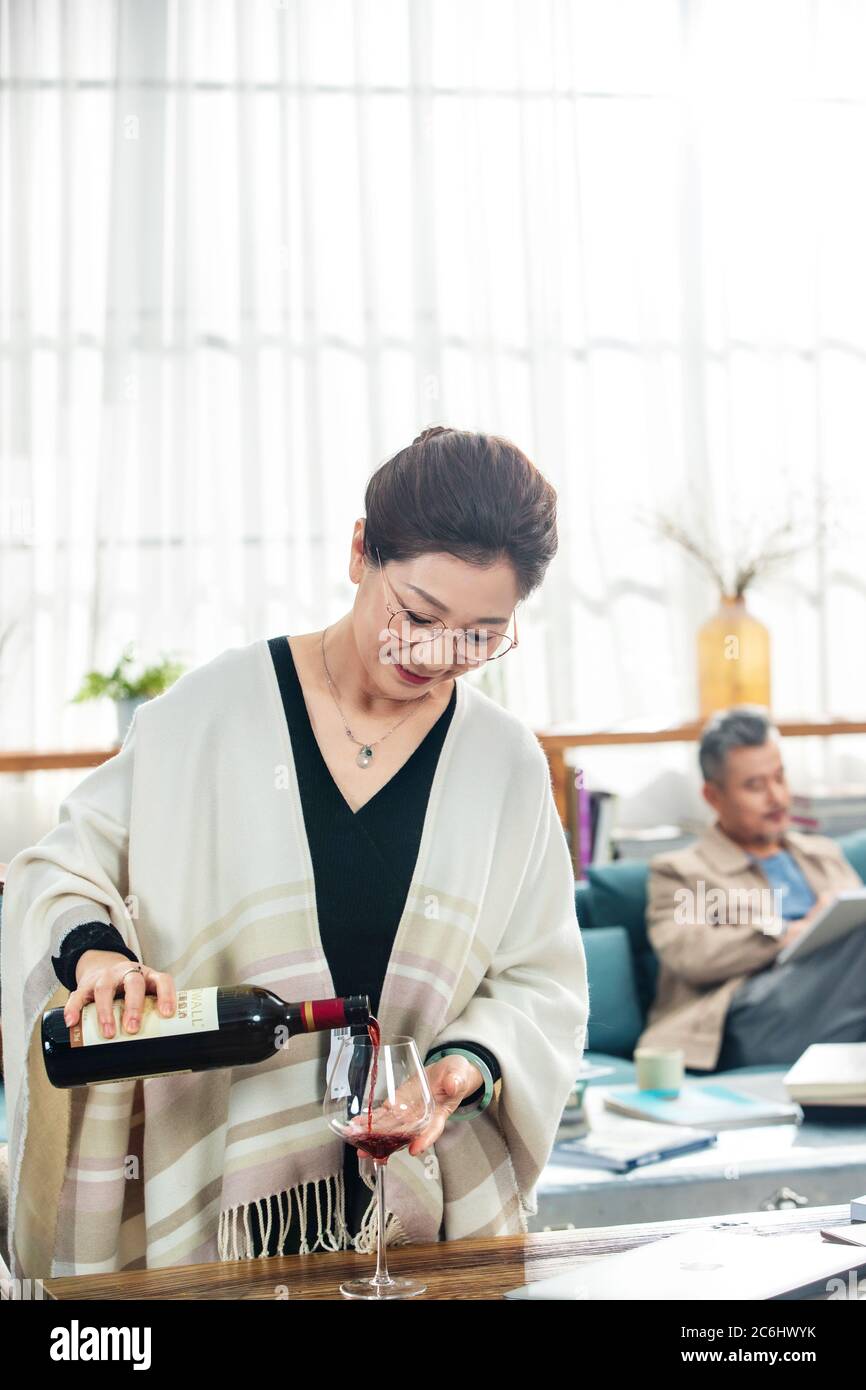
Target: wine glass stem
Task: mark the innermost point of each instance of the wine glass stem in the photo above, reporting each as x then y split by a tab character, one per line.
381	1276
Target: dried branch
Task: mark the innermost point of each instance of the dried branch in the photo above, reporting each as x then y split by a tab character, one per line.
757	555
671	530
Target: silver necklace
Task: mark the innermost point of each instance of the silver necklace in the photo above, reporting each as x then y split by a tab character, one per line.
365	755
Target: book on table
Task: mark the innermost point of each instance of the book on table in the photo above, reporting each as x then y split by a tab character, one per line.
628	1144
829	1074
701	1105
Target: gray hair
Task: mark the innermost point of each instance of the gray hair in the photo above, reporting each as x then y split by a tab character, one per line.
745	726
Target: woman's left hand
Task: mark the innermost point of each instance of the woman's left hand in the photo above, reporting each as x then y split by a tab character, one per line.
451	1080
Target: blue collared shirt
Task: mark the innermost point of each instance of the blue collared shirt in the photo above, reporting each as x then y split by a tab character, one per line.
785	873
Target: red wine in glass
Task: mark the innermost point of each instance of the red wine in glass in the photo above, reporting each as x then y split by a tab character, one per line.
403	1111
380	1146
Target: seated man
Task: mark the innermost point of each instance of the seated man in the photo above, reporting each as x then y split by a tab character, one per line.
720	911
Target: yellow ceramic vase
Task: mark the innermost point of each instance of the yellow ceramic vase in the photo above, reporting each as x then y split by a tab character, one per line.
733	659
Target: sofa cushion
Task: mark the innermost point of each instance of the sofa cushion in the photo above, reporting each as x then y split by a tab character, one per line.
619	894
854	849
583	905
615	1014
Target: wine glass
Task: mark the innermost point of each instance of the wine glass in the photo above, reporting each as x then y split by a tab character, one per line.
383	1101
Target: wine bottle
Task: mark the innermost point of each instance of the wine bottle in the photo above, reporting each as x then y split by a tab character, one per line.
211	1027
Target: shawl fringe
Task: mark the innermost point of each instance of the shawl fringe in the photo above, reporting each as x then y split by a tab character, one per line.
235	1236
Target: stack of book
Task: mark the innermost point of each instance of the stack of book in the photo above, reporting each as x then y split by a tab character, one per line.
599	840
594	819
829	810
656	839
633	1144
829	1074
645	1127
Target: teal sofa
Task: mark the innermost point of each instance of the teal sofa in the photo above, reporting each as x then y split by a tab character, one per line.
621	964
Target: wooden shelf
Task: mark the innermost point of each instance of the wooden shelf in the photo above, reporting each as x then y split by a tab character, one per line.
41	762
555	743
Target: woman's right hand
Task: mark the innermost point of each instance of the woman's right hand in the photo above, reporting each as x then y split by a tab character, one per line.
99	974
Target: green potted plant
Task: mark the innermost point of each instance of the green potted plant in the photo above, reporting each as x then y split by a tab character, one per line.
126	690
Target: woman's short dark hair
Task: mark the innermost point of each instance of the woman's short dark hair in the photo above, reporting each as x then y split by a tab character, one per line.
475	496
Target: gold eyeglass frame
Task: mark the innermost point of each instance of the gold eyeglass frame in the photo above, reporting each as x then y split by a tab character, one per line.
442	627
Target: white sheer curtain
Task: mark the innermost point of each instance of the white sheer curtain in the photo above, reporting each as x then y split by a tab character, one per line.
249	249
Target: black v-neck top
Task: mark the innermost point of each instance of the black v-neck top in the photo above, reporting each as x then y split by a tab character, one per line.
363	864
363	861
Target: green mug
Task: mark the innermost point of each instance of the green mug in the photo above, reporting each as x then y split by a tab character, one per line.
660	1069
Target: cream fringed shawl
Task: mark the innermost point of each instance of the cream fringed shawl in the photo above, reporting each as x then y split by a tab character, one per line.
191	841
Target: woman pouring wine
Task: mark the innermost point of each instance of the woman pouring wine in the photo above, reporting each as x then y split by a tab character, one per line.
325	814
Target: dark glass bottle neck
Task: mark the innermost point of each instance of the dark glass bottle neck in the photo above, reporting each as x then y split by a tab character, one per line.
319	1015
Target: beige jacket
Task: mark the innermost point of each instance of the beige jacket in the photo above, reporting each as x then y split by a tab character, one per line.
709	942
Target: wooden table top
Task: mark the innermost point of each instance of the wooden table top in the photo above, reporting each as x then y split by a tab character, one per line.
457	1269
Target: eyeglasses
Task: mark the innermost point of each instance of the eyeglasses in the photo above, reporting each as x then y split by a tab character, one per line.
473	646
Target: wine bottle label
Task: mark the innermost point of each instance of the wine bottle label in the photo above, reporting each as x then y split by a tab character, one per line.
196	1012
340	1078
